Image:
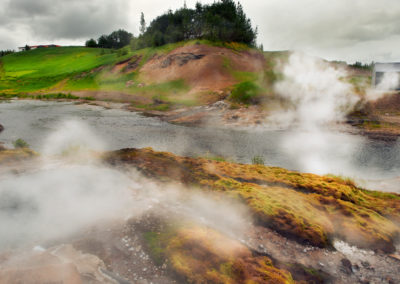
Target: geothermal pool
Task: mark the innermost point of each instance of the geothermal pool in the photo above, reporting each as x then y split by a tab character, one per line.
375	164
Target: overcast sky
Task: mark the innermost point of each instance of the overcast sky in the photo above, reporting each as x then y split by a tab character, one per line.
348	30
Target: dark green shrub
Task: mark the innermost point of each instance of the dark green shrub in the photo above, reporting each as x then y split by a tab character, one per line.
20	143
258	160
246	92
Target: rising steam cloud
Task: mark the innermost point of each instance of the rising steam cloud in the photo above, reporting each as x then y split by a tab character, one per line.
390	81
69	189
316	90
319	98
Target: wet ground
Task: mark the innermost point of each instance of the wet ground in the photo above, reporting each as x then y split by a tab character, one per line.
116	251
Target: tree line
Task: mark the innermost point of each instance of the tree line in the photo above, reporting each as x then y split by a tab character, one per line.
115	40
223	20
5	52
360	65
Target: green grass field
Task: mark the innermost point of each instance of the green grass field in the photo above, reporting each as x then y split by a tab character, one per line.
38	69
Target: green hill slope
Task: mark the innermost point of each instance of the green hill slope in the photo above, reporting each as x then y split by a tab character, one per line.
179	74
41	68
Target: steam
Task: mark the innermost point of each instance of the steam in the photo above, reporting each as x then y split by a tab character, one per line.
317	91
390	81
59	201
320	98
72	137
70	190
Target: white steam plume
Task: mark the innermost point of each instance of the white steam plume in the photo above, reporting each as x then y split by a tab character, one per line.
72	136
320	98
317	91
70	190
390	81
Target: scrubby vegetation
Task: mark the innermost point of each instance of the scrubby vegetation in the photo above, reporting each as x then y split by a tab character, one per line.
307	207
258	160
246	92
20	143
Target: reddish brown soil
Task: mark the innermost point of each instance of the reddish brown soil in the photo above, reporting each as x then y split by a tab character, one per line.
127	65
380	119
388	103
210	73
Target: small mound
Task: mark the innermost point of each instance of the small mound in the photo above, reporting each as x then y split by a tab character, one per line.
199	254
203	67
306	207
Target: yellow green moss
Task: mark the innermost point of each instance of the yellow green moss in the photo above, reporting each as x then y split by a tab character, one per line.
201	255
13	155
311	208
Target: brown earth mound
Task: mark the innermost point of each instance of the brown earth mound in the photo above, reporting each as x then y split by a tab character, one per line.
203	67
388	103
127	65
379	119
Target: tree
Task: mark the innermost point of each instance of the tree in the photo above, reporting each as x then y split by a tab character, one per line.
120	38
103	42
223	20
142	24
4	53
91	43
27	47
116	39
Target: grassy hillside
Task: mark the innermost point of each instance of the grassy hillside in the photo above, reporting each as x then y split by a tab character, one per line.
158	78
42	68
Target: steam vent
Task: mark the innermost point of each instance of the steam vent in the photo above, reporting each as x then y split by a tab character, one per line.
385	70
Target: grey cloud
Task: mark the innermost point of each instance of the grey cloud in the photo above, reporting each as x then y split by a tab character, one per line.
49	20
336	29
75	22
29	8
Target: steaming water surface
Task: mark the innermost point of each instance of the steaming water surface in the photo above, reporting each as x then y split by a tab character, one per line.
337	153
